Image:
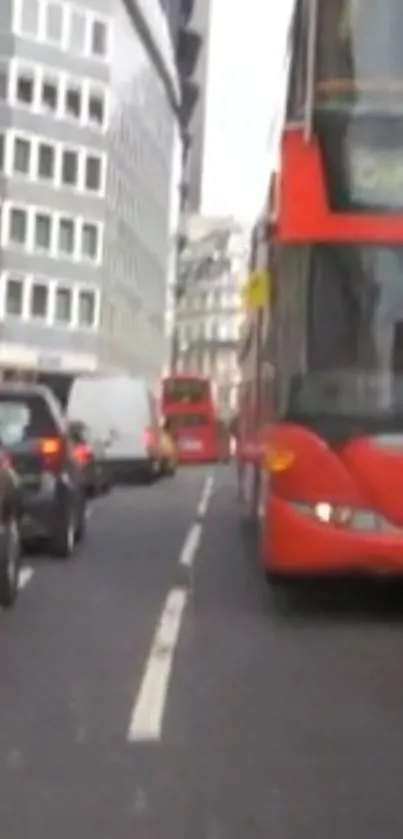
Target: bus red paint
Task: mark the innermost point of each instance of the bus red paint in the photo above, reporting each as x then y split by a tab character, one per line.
320	448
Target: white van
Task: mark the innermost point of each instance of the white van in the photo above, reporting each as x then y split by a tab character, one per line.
122	414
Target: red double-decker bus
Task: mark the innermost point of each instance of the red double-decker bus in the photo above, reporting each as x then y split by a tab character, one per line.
321	400
187	401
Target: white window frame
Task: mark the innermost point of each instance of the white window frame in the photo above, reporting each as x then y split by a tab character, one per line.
98	17
75	254
7	242
64	285
18	67
39	72
6	276
51	251
62	44
31	281
36	140
95	291
51	73
87	260
89	87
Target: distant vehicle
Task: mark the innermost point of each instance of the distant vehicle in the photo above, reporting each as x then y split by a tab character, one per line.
122	414
10	541
34	435
90	454
187	401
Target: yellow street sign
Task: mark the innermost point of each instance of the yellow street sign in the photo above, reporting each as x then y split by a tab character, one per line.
256	293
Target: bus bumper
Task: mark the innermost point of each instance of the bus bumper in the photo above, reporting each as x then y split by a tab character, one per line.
295	542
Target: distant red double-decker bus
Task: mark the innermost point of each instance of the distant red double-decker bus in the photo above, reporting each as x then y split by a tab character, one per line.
187	401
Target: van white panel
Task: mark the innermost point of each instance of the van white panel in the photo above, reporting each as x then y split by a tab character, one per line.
116	409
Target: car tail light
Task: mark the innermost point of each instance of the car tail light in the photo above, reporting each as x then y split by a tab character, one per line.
149	438
5	460
52	451
82	453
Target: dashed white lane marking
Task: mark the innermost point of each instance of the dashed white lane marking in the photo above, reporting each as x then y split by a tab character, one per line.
205	497
25	577
191	545
148	711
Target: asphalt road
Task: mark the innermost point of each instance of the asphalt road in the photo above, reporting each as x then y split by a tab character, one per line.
152	688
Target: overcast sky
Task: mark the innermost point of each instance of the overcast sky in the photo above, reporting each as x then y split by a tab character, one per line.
244	89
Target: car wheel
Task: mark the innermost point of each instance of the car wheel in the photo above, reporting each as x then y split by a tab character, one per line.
10	563
63	539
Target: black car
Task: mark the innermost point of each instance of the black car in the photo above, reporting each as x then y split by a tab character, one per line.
34	433
91	456
10	536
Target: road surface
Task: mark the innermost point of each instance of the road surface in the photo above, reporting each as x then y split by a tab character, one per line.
153	688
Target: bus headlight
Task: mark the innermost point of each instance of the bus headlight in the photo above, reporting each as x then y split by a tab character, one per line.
327	513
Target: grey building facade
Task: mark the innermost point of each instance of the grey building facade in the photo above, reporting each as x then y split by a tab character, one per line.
189	22
209	310
88	125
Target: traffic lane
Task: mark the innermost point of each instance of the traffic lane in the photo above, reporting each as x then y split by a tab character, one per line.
73	650
282	720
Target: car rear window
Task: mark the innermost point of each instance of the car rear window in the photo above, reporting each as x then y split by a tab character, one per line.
24	418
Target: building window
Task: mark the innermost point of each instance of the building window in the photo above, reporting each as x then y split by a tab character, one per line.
15	297
96	108
78	31
70	168
93	173
25	88
66	239
86	308
22	156
18	226
63	305
73	102
54	22
43	231
46	161
98	38
29	22
49	95
39	300
89	242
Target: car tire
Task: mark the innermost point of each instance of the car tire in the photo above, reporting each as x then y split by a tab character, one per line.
10	563
63	539
81	528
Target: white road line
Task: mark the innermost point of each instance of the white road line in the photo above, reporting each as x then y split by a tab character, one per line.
191	545
205	496
25	577
148	711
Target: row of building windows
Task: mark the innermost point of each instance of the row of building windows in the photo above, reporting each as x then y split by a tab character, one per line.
51	302
220	329
219	300
45	231
64	25
37	158
50	92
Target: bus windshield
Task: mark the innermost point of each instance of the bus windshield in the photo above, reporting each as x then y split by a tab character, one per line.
185	390
359	54
354	346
